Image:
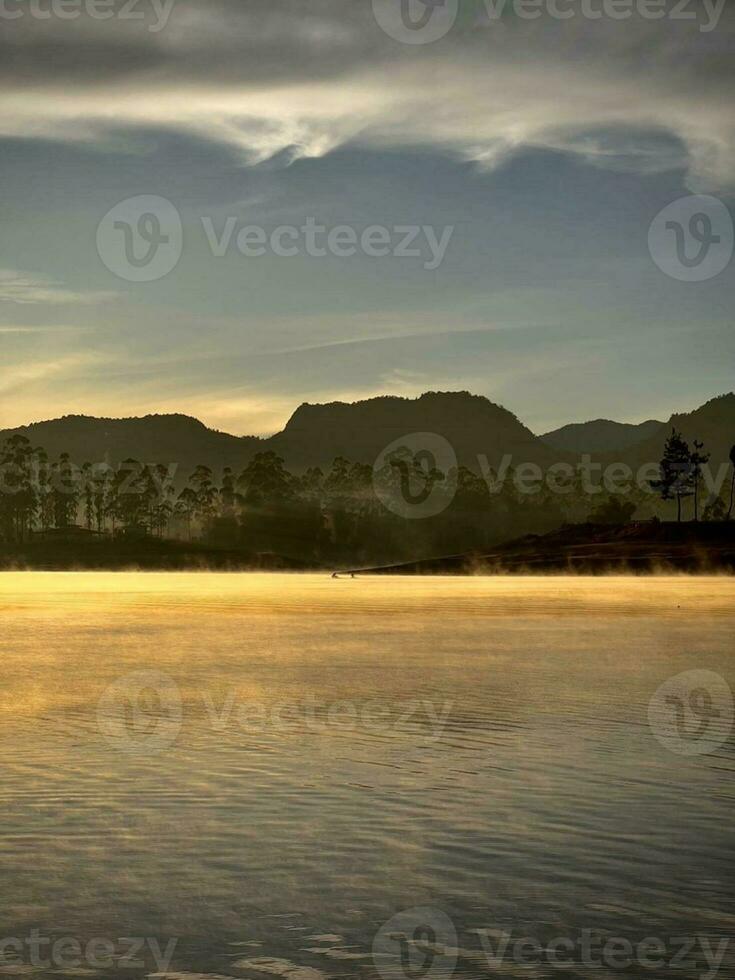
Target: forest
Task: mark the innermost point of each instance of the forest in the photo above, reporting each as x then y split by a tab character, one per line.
341	515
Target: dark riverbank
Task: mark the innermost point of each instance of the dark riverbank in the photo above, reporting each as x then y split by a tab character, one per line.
578	548
148	554
704	547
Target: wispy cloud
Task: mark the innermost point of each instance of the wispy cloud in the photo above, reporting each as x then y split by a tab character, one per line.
8	328
272	77
25	288
17	378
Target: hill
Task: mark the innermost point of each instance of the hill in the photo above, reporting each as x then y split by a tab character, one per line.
316	434
713	423
150	439
472	424
313	436
601	436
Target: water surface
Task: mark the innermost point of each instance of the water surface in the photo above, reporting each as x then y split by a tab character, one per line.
348	749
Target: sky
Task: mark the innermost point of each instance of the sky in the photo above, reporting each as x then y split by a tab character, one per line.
487	190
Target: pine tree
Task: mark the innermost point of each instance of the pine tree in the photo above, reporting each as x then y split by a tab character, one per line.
676	472
698	459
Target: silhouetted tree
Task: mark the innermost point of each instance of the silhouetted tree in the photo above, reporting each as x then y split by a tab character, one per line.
185	507
88	494
127	495
202	483
697	459
18	500
265	479
675	468
157	497
228	495
732	482
65	491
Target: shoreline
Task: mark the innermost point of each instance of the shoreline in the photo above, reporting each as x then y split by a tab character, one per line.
641	549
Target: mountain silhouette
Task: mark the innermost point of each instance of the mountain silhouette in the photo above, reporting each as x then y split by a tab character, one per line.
317	433
150	439
601	435
472	424
713	423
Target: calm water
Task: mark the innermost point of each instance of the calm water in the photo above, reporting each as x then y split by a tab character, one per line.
305	758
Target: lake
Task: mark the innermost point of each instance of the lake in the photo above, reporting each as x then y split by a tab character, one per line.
286	775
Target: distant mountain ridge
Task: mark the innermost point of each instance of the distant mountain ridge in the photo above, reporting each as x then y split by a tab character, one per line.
601	435
149	439
713	423
317	433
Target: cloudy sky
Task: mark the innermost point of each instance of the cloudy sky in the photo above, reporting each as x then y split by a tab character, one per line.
536	150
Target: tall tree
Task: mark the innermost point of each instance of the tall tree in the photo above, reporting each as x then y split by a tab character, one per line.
228	496
205	493
126	495
160	496
732	482
266	480
185	507
18	499
101	478
65	491
698	459
88	492
675	471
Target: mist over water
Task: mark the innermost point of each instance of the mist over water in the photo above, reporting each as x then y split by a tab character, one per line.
330	753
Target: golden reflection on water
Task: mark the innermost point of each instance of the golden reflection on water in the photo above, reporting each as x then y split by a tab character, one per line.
526	788
69	634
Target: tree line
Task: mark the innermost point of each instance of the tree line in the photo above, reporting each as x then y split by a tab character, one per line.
332	514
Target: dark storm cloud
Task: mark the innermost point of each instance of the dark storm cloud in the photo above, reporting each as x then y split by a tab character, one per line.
261	40
277	40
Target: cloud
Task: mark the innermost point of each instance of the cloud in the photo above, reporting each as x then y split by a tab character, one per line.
26	288
272	77
7	329
17	378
